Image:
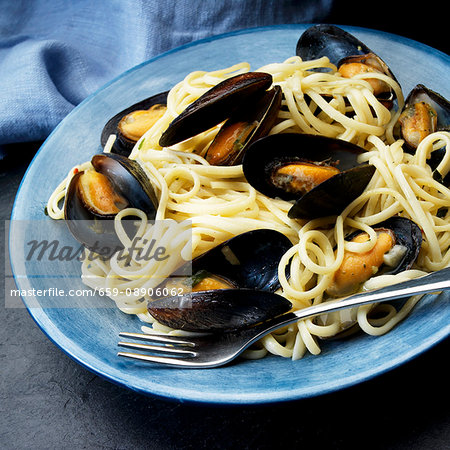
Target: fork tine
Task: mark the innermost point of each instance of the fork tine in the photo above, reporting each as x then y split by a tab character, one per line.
164	339
167	360
157	348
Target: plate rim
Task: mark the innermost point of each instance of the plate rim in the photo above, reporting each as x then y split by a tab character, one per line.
189	395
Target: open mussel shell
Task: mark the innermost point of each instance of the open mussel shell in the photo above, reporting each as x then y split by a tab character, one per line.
265	157
244	127
218	311
405	240
93	231
125	181
336	44
333	195
216	105
408	235
440	104
424	112
248	264
342	48
400	241
249	260
396	249
331	41
124	143
128	178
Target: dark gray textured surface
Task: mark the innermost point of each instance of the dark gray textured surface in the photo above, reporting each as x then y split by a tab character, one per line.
48	401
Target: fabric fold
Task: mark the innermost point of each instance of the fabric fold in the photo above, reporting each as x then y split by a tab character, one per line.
54	53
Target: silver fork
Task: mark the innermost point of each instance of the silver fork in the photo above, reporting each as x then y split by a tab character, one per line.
207	351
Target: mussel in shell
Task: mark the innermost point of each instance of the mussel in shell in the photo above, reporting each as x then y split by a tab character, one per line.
348	53
248	260
398	244
425	112
330	41
231	286
321	174
244	100
130	124
244	127
396	249
218	311
96	195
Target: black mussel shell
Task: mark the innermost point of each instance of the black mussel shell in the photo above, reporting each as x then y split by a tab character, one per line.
329	197
440	104
249	260
440	107
87	228
331	41
93	229
382	91
333	195
253	122
128	178
340	47
407	240
218	311
408	234
122	145
216	105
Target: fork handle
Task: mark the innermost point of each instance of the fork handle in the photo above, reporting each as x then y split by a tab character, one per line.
436	281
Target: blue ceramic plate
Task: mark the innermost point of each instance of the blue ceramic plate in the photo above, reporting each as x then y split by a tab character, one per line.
90	335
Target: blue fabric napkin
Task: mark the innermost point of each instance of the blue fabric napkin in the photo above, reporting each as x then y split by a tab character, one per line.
54	53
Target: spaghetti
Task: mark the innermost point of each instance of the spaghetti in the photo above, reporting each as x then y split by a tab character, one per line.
215	203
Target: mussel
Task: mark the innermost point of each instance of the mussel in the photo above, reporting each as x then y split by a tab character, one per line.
244	127
244	100
249	260
330	41
348	53
425	112
321	174
229	287
96	195
130	124
224	311
398	244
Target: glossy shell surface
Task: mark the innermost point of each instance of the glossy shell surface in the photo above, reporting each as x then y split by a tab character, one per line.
330	41
122	145
129	180
218	311
249	262
441	105
329	197
408	234
341	47
259	117
216	105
